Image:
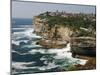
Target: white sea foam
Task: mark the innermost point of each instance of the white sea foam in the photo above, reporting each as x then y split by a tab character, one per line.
35	51
28	33
21	65
49	66
60	54
19	28
19	52
31	46
18	42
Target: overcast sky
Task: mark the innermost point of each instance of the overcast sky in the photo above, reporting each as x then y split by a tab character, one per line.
30	9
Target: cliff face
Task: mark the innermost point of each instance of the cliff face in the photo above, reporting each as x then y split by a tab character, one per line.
80	30
58	32
37	24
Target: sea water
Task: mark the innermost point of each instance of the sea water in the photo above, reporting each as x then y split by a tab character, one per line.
29	58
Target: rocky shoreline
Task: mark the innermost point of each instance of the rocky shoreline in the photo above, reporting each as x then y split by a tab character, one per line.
90	64
55	35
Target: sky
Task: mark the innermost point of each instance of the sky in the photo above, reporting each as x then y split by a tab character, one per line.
22	9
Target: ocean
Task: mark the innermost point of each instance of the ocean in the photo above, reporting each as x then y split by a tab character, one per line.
29	58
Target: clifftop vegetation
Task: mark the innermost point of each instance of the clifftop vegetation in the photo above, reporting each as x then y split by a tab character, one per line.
59	28
82	24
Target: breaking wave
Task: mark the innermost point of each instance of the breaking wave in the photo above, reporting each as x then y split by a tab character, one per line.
27	57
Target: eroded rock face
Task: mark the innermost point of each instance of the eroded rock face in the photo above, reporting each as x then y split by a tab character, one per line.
54	37
82	43
65	33
37	24
85	46
44	29
82	40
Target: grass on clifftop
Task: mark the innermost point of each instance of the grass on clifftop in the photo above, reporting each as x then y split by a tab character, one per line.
75	22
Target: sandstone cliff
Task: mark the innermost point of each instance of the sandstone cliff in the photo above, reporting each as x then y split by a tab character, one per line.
42	28
57	36
56	31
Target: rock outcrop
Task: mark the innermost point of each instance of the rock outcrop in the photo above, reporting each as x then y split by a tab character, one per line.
83	46
57	30
55	37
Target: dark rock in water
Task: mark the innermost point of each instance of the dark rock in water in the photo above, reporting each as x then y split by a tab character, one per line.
84	46
22	43
37	43
86	51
